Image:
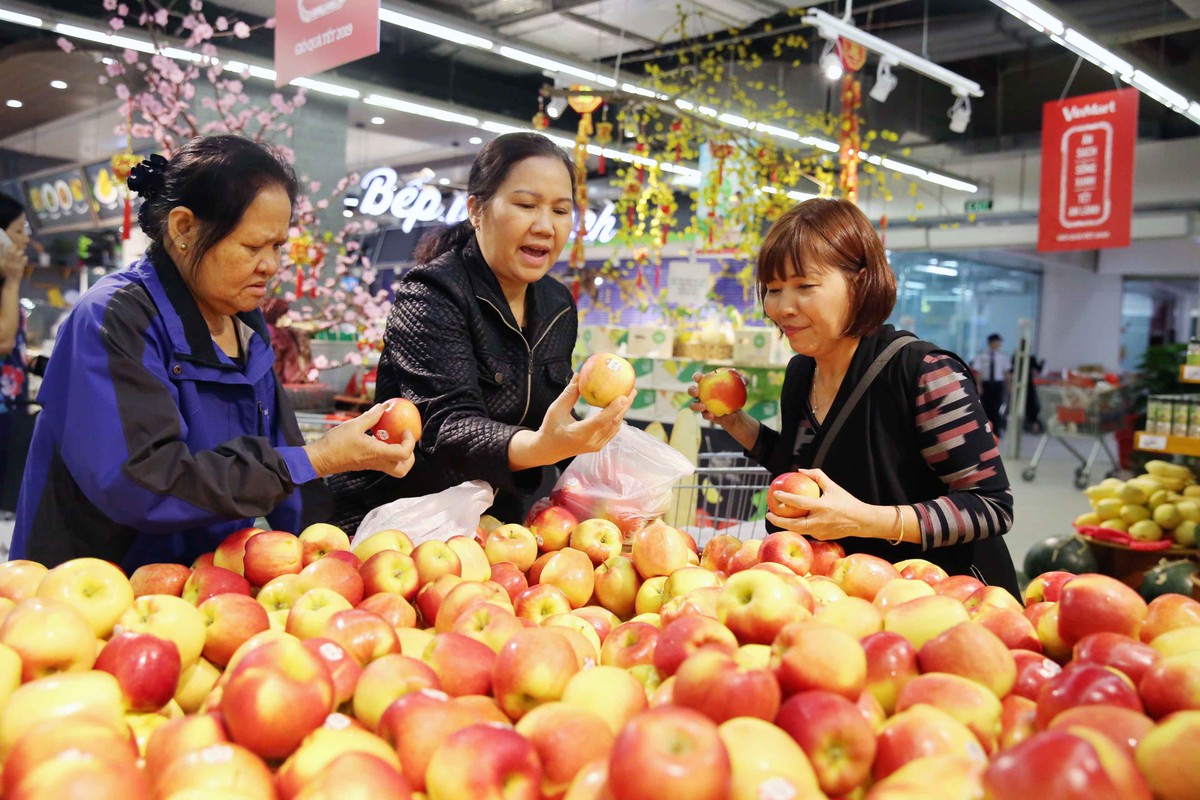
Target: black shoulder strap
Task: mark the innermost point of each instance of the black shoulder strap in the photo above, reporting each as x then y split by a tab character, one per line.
864	384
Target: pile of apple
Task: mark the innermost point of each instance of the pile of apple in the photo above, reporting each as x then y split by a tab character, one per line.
557	661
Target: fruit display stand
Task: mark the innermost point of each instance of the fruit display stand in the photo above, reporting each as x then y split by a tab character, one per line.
1130	564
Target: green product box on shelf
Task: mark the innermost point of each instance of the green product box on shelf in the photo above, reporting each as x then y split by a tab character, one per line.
643	370
675	374
645	406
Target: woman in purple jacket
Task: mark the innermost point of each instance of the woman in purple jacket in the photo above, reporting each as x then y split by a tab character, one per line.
163	427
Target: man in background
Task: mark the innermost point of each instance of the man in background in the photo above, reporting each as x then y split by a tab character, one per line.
992	369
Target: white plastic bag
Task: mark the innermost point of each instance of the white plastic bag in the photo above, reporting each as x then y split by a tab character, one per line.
628	481
450	512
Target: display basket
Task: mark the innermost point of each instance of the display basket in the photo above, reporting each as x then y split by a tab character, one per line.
726	494
1125	562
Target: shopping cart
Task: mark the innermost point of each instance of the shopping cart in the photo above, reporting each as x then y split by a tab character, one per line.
313	426
1079	407
726	494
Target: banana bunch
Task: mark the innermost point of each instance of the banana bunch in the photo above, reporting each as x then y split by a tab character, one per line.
1165	500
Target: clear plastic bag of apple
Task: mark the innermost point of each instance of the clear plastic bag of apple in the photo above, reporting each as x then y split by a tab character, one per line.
628	481
447	513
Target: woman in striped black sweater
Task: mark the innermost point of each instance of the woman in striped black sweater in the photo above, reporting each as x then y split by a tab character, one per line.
889	426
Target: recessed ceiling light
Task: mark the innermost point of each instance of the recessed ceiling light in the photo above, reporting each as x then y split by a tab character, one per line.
14	103
475	140
444	181
377	120
347	213
58	84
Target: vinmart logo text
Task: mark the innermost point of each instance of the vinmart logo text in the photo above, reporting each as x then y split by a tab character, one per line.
1072	113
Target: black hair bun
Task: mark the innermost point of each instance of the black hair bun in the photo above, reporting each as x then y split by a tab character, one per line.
148	177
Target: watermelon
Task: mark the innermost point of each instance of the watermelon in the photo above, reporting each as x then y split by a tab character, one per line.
1169	577
1065	553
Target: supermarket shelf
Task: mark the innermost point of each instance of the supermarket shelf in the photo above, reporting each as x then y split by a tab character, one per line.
1189	373
1175	445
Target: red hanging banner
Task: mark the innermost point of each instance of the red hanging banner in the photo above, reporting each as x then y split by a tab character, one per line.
312	36
1088	146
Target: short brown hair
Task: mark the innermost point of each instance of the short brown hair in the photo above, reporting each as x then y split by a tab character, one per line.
823	233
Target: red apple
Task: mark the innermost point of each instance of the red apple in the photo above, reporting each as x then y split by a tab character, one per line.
1075	765
1117	651
539	602
552	527
363	634
463	665
69	737
834	735
630	643
1124	726
722	391
206	582
434	559
399	415
918	569
571	571
387	679
321	539
489	624
718	550
179	736
390	571
344	671
959	587
791	483
681	638
1172	685
356	776
485	762
270	554
745	557
617	584
1094	603
1034	670
974	652
972	704
787	548
416	724
335	574
918	732
1168	612
512	579
398	612
431	595
1165	756
810	655
49	636
218	770
231	552
863	575
1047	587
659	549
566	739
601	619
465	594
891	663
722	686
598	538
276	695
146	667
159	579
825	555
513	543
1018	720
1084	684
612	693
669	752
532	668
756	605
1012	627
603	378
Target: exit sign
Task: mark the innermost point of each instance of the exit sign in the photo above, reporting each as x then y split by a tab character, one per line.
973	206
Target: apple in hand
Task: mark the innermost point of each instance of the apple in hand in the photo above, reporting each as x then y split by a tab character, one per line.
146	667
722	391
603	378
791	483
399	415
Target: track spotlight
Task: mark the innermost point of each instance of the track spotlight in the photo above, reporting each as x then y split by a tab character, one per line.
960	114
885	81
556	107
831	59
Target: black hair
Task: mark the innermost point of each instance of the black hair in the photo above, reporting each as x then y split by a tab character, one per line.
490	169
10	209
995	337
217	178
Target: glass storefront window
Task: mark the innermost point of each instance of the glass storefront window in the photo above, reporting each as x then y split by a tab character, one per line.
956	301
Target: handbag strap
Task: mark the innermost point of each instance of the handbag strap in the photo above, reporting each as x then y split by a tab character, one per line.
864	383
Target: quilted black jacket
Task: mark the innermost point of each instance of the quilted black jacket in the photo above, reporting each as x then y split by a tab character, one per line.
454	348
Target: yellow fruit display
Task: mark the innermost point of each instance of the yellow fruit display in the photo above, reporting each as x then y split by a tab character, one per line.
1191	491
1185	534
1165	469
1145	531
1109	508
1132	494
1101	492
1167	516
1115	524
1132	514
1158	498
1090	519
1189	510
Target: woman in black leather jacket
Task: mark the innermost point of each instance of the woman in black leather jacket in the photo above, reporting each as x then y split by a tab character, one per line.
480	338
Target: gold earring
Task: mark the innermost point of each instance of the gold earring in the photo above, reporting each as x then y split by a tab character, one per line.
182	245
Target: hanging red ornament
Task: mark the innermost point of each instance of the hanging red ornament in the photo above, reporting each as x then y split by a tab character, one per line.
604	137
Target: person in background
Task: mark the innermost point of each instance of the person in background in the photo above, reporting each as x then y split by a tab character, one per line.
14	371
992	370
888	426
480	339
163	427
